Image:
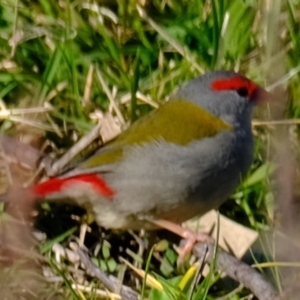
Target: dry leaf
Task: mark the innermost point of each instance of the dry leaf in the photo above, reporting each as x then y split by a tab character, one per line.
233	237
109	128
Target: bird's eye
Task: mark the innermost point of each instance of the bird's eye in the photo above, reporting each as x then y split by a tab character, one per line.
242	91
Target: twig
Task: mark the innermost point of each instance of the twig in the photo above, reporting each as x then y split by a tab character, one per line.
238	271
32	123
276	122
110	97
110	282
5	113
102	294
284	79
58	165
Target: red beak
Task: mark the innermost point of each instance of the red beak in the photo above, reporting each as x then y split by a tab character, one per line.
261	96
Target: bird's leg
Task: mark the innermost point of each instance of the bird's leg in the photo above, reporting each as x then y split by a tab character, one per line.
190	237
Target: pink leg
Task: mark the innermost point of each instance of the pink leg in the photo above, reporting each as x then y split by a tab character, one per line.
190	236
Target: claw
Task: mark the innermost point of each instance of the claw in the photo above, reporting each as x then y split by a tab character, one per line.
190	237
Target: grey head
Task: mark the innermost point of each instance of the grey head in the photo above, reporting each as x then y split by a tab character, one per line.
226	94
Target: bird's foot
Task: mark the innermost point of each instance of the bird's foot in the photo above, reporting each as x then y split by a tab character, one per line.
189	236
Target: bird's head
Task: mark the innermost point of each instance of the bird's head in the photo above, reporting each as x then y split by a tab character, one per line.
225	94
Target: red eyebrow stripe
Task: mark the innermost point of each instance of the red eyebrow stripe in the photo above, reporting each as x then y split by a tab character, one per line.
234	83
55	185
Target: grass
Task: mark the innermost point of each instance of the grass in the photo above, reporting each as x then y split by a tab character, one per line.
68	58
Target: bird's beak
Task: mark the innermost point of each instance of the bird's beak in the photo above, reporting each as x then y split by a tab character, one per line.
262	96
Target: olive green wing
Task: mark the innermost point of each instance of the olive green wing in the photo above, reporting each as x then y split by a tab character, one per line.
177	121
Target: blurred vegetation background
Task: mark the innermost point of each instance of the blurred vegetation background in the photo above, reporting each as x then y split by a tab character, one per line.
64	63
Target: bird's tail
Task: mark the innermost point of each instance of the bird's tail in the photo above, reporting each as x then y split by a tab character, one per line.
59	188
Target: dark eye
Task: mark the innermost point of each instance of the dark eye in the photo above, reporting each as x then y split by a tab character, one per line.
243	92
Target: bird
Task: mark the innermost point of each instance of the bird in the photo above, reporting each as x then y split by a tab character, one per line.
177	162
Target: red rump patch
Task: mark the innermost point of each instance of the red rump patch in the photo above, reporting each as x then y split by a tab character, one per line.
235	83
56	185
